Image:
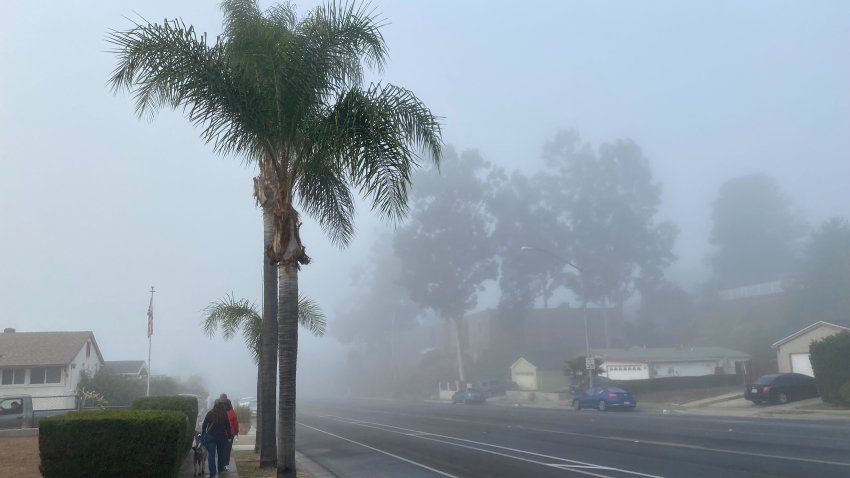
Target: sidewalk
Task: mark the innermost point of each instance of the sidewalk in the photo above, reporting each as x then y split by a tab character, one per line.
187	469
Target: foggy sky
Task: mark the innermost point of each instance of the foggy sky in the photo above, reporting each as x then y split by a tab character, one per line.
96	205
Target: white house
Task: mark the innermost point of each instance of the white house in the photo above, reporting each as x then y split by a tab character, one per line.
792	352
46	365
643	363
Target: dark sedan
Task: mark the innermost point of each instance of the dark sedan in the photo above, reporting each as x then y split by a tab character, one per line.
604	398
781	388
470	395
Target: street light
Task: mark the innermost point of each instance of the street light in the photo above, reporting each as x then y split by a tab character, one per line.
589	361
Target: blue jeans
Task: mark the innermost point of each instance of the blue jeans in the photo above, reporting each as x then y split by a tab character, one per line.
215	447
224	456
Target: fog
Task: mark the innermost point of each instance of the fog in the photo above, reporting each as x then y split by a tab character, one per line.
96	205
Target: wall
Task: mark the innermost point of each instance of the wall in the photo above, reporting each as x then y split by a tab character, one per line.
685	369
551	380
518	396
90	363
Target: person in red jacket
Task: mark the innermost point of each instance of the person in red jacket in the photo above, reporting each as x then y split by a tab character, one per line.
234	432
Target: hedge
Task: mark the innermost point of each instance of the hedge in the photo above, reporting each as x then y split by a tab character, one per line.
666	384
110	443
186	405
830	358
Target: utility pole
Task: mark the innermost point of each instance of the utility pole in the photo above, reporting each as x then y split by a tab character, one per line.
150	334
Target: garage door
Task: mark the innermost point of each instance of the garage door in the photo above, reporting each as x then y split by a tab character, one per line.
800	363
525	380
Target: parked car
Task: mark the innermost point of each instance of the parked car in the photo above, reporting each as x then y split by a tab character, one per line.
781	388
16	412
582	385
604	398
470	395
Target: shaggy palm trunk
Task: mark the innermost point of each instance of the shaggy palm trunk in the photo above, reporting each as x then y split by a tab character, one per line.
458	348
267	409
288	353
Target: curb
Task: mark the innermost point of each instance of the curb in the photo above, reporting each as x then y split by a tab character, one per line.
316	470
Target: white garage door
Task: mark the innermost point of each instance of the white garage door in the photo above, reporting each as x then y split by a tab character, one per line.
525	380
800	363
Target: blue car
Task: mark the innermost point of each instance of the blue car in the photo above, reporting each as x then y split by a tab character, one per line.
604	398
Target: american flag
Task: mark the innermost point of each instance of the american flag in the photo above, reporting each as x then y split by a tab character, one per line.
150	318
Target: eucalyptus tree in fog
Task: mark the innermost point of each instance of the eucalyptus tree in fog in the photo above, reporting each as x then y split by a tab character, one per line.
240	316
286	93
610	203
445	249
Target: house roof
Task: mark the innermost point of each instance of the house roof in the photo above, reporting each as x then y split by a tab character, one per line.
126	367
22	349
669	354
821	323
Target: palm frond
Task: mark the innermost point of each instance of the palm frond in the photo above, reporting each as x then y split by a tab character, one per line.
233	315
311	317
377	136
171	65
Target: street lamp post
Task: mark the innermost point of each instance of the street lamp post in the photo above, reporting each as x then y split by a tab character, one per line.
590	362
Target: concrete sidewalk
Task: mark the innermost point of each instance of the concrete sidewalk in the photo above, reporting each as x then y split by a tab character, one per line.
187	469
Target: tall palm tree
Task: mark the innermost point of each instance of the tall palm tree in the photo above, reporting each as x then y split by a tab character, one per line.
287	93
234	316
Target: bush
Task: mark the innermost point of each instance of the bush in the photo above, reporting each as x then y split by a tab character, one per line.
845	393
666	384
187	405
243	413
829	358
108	443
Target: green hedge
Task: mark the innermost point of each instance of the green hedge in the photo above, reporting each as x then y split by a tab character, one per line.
830	358
187	405
667	384
110	443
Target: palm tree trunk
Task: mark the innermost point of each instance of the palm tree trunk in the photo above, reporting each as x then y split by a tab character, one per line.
458	347
288	356
266	400
257	434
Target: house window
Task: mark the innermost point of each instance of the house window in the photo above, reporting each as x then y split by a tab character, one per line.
88	349
40	375
13	376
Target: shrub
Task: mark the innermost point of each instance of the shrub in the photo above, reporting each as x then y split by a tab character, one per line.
101	443
243	413
845	393
666	384
187	405
829	358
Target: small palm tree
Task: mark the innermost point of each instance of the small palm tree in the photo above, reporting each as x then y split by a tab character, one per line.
233	316
287	94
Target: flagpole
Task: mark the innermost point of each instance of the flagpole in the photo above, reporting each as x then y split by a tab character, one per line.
150	334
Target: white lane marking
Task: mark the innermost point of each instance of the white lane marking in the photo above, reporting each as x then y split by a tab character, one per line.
693	447
428	436
380	451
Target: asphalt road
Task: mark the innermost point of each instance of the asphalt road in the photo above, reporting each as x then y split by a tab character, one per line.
370	438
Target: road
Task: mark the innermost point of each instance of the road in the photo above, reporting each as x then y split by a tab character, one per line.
371	438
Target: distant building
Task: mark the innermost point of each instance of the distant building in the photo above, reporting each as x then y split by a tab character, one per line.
46	364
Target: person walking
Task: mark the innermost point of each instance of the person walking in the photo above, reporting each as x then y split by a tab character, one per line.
215	430
234	432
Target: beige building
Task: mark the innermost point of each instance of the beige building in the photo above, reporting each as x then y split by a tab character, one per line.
792	352
541	371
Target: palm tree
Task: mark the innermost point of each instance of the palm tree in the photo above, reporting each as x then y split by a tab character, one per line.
287	94
234	316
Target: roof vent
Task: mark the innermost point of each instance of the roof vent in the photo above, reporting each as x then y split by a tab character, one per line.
8	330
